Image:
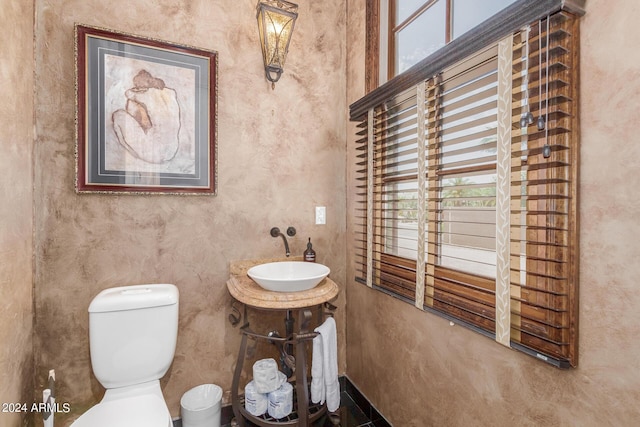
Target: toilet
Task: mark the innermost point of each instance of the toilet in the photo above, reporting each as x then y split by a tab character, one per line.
132	338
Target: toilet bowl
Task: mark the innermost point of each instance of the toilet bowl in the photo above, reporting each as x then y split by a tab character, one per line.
132	334
143	408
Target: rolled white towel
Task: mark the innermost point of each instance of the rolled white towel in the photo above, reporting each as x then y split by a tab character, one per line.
255	403
265	375
281	401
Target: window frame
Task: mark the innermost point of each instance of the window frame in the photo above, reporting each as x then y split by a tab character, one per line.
389	28
393	29
499	25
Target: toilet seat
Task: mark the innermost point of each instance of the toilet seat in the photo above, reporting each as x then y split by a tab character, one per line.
147	410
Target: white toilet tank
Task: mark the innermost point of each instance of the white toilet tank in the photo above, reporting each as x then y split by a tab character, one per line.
132	333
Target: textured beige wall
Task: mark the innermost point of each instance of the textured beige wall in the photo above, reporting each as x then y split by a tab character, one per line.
16	206
281	153
420	371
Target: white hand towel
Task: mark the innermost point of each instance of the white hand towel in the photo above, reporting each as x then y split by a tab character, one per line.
329	362
317	380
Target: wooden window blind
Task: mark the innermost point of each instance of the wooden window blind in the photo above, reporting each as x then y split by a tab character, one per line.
467	190
466	168
544	228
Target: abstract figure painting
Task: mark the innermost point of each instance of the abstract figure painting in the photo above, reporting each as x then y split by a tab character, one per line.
154	141
146	115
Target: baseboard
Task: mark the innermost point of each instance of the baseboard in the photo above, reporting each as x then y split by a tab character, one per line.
363	403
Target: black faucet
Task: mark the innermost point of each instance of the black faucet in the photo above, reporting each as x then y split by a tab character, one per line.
275	232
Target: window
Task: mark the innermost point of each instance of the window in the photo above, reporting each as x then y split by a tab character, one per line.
417	28
467	185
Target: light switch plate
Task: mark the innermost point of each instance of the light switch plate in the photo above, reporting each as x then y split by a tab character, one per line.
321	215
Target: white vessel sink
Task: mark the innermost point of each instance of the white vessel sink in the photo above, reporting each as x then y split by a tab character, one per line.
288	276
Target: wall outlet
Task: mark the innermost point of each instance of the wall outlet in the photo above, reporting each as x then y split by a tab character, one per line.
321	215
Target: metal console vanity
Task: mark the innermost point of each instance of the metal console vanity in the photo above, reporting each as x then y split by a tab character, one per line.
293	346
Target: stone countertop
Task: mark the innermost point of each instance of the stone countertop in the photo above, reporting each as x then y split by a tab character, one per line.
244	289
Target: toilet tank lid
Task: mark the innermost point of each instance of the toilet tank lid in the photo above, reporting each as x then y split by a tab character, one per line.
134	297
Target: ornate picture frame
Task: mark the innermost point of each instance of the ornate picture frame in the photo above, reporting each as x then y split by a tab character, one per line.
146	115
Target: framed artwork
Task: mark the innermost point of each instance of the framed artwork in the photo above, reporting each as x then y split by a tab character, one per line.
146	115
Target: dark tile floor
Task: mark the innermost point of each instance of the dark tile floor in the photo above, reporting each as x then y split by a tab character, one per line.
355	411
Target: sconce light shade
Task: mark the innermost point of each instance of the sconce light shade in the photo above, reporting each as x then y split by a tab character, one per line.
276	19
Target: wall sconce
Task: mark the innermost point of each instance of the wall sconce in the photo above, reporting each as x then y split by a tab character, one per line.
276	19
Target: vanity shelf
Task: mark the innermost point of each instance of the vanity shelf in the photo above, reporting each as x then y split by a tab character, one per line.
246	291
315	411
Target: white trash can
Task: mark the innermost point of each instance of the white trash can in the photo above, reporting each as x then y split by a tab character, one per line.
200	406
